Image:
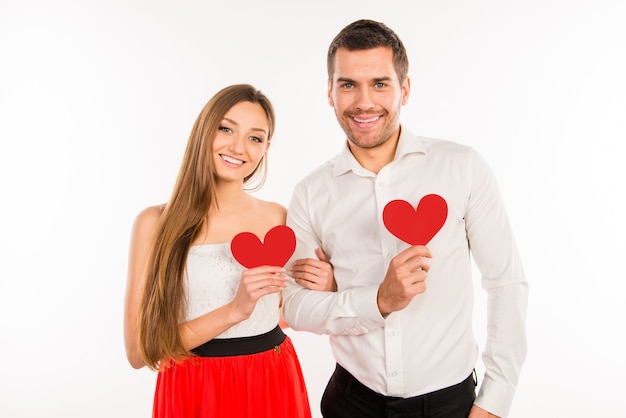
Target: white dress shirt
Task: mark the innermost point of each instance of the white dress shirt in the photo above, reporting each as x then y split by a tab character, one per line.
429	345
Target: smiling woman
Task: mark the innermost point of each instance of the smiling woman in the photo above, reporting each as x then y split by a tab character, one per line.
206	323
241	143
97	100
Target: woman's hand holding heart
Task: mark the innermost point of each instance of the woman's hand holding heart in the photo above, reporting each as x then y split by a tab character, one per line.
255	283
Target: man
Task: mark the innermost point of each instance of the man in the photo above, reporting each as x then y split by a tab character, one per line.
400	323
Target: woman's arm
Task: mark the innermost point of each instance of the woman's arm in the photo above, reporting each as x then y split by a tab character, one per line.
255	283
140	244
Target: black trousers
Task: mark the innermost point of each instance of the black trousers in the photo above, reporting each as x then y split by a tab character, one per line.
346	397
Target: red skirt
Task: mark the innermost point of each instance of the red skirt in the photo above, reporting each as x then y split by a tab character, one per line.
266	384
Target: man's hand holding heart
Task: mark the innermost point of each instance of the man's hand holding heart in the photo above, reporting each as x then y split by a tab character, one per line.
405	279
407	271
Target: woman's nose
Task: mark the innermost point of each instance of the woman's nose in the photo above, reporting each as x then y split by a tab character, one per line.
236	145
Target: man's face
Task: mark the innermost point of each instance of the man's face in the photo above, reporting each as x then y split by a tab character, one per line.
367	95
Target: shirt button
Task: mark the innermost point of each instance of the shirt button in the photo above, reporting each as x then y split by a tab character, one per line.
392	333
394	374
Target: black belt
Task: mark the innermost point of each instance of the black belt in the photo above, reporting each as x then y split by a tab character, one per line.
225	347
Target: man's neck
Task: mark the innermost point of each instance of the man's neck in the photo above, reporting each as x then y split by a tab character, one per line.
374	159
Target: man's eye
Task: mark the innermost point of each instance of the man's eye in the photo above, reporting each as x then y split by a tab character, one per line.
347	85
380	85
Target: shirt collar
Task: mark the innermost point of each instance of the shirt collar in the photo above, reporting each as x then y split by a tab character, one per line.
407	144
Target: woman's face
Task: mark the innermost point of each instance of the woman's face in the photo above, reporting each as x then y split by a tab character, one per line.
240	142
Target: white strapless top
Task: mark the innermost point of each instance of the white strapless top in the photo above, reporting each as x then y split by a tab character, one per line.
212	279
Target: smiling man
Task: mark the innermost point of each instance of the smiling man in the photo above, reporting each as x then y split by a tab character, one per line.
400	322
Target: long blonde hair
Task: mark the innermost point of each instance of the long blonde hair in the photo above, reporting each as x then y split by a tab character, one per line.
181	221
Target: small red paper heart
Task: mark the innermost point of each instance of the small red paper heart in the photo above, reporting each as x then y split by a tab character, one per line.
416	226
277	247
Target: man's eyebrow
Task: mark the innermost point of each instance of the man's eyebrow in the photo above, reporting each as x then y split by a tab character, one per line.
375	80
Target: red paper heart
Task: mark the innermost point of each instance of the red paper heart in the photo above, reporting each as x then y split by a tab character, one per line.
416	226
275	250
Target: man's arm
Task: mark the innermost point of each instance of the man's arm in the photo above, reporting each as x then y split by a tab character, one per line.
352	311
349	312
496	256
505	349
405	278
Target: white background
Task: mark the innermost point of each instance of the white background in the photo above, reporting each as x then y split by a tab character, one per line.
97	99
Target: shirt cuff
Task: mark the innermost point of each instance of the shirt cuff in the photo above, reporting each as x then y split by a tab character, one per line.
366	305
495	398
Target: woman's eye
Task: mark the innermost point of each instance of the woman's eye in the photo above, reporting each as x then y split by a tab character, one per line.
256	139
224	129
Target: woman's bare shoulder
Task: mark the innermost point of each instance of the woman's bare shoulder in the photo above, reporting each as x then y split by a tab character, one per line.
147	220
273	211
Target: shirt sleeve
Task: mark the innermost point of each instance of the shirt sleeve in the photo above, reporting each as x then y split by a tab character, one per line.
349	312
502	276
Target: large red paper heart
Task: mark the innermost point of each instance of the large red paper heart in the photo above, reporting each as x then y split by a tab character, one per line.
416	226
275	250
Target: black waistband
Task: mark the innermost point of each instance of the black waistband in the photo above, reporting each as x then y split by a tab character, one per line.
225	347
464	388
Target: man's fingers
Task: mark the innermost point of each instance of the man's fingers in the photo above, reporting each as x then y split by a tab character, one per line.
320	254
413	252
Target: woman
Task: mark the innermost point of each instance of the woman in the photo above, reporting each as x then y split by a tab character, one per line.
193	313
